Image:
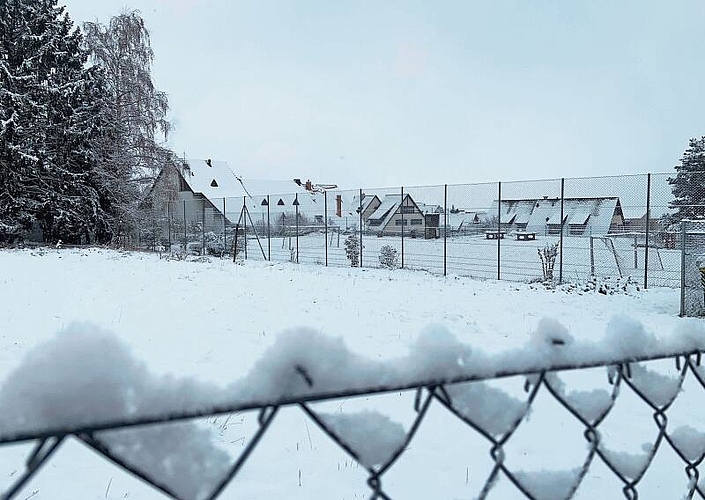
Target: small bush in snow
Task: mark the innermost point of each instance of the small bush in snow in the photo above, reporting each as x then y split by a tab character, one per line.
214	244
388	257
352	250
548	256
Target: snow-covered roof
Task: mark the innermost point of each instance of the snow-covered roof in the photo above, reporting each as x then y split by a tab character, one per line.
514	211
597	213
429	209
215	180
462	220
367	199
389	205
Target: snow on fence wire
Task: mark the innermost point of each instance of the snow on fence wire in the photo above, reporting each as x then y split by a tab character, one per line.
376	443
605	227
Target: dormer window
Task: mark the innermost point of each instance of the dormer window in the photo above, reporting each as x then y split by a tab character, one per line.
214	184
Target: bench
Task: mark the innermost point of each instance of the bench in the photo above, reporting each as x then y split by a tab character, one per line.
493	235
524	236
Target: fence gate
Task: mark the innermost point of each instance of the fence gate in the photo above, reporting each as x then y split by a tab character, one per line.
693	268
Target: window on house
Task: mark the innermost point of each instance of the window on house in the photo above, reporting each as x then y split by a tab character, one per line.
407	210
214	183
401	222
416	222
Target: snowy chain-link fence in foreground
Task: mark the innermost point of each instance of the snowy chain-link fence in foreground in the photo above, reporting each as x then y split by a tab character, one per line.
377	444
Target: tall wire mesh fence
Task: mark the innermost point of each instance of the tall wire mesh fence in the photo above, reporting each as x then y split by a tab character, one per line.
607	228
692	241
669	463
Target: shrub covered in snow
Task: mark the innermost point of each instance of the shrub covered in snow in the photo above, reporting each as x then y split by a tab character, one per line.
214	244
352	250
548	256
388	257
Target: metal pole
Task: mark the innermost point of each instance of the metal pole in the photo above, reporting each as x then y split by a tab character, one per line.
269	234
499	229
244	225
401	209
237	230
168	222
683	224
445	228
648	223
325	222
203	227
185	240
225	233
560	256
636	259
360	223
297	227
592	256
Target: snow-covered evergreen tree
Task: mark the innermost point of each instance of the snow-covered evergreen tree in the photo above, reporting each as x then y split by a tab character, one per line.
688	185
50	122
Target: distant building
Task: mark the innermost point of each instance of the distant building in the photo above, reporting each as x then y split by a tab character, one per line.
208	193
394	213
581	216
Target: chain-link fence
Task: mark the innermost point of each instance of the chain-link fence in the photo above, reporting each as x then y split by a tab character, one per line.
591	455
692	243
572	229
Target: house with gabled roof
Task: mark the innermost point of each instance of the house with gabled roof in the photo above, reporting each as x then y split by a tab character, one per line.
207	192
581	216
394	214
370	203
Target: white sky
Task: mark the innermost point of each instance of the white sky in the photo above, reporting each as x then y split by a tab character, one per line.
367	93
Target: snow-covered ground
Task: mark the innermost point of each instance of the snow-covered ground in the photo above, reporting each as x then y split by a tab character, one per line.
475	256
213	320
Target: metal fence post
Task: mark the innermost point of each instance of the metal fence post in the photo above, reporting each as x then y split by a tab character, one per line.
203	228
325	222
636	252
225	233
499	230
445	228
648	223
560	255
168	222
683	229
296	204
359	209
269	234
401	210
185	238
244	224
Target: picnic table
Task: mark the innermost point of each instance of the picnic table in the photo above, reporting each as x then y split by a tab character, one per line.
493	235
524	236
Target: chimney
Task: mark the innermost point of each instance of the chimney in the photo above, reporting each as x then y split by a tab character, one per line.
339	206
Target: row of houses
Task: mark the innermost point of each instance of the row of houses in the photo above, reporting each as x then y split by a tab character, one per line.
198	190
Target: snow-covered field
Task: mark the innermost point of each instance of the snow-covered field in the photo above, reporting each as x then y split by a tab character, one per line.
213	320
476	256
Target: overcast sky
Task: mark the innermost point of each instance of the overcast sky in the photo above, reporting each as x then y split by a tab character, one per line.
385	93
